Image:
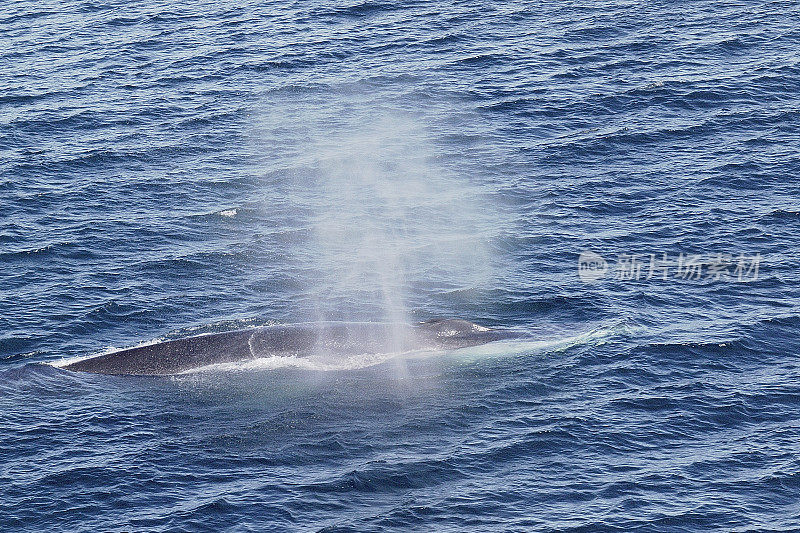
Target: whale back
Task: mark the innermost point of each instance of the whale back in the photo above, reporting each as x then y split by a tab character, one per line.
300	340
454	333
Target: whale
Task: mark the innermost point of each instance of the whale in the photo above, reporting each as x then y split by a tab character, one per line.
291	340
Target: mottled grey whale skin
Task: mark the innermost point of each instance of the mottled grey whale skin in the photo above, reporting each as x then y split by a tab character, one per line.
298	340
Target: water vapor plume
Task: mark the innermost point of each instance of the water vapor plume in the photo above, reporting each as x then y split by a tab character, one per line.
390	227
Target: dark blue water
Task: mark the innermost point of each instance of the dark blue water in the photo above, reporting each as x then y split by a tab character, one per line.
170	168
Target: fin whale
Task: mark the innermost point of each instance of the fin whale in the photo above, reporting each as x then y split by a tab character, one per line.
298	340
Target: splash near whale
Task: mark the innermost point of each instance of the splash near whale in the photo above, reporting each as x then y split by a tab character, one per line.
297	340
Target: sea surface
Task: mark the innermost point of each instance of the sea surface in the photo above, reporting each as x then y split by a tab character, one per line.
620	181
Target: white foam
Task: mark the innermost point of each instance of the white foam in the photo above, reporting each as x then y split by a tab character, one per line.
66	361
321	363
228	213
520	347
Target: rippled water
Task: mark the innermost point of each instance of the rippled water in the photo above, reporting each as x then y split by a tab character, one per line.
172	168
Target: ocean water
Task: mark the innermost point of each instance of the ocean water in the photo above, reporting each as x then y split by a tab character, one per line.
173	168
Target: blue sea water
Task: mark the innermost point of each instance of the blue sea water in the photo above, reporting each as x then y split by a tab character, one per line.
173	168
